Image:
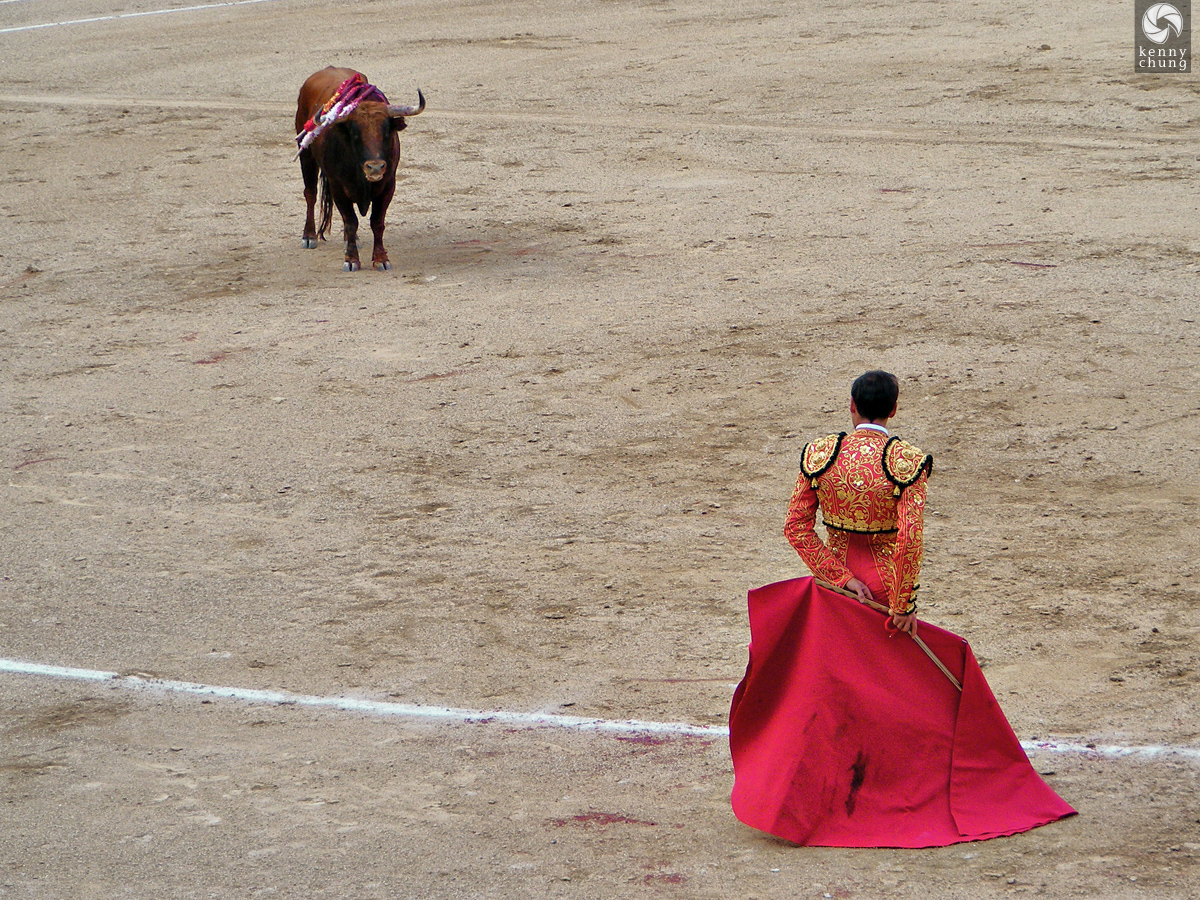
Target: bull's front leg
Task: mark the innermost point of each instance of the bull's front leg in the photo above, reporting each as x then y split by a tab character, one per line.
379	257
350	232
308	170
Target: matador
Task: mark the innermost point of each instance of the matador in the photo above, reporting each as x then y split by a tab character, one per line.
870	488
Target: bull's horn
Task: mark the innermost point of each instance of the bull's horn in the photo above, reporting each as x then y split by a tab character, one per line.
395	111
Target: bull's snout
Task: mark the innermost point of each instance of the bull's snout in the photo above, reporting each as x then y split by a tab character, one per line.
374	169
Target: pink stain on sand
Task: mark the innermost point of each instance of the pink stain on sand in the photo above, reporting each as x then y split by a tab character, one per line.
599	819
665	878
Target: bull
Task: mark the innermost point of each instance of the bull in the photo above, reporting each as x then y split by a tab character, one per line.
349	137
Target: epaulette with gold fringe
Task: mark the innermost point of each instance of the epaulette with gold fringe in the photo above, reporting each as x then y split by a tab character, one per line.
903	463
817	457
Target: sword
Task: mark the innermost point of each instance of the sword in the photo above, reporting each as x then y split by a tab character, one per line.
883	609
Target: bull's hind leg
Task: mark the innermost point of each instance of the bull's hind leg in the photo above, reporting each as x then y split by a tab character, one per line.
308	169
350	226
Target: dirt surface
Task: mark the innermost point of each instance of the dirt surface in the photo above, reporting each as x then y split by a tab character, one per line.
641	249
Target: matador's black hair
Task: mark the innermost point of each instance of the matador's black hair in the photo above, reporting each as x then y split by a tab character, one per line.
875	393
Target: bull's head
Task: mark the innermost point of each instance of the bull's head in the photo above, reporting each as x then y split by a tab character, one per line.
372	126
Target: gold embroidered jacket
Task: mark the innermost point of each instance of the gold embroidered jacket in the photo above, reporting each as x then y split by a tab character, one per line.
864	483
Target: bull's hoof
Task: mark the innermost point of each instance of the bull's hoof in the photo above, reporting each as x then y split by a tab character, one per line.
309	243
382	265
350	265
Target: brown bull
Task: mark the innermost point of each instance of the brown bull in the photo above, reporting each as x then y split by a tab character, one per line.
356	155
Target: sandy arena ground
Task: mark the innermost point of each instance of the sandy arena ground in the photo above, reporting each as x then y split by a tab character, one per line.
641	249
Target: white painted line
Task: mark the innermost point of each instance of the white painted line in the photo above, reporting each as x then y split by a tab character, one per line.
131	15
371	707
1113	751
512	719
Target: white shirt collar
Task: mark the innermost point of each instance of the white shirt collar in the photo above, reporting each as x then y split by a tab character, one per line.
872	426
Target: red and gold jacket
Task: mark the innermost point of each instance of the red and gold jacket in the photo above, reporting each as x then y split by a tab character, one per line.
864	483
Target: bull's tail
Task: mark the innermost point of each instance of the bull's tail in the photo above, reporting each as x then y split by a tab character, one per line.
326	207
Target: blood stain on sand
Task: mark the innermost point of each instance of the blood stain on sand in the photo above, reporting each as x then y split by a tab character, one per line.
665	878
647	740
599	819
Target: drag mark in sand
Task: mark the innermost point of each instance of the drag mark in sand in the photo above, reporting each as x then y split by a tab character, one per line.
518	720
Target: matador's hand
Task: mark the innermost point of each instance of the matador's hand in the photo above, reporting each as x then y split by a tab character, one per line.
864	592
905	623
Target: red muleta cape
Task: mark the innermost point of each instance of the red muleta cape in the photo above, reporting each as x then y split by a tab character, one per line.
842	736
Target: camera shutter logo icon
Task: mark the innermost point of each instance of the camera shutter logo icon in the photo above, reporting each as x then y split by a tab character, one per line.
1161	21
